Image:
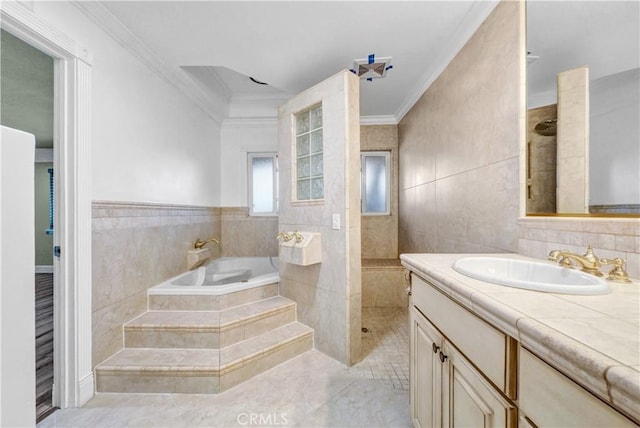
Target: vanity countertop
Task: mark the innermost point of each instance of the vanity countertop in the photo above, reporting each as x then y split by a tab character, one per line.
595	340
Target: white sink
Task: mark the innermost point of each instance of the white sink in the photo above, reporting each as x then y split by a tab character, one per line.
530	275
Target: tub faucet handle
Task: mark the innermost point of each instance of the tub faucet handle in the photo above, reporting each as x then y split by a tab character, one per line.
199	244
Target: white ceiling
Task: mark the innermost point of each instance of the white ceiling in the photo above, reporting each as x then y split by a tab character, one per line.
294	45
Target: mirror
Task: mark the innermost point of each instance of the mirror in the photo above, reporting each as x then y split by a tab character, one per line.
604	36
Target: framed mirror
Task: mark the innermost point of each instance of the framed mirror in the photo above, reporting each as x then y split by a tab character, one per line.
601	40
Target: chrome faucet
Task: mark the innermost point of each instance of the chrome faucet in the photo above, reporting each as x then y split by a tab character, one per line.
199	244
588	262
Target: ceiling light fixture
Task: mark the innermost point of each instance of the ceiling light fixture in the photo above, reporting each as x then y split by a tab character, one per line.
372	67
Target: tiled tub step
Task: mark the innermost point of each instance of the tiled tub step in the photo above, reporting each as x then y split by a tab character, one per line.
201	370
208	329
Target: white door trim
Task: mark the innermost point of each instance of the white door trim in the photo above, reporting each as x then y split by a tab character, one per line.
73	375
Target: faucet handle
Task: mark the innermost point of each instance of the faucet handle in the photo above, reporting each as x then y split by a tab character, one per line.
617	274
284	236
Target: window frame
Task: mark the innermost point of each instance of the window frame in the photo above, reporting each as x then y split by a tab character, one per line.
363	194
276	184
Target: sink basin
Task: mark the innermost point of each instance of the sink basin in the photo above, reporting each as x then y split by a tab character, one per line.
531	275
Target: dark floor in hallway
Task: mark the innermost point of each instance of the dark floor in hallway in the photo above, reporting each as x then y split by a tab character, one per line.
44	344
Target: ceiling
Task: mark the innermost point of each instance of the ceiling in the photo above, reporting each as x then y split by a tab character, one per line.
294	45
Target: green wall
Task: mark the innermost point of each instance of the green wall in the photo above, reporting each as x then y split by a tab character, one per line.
26	103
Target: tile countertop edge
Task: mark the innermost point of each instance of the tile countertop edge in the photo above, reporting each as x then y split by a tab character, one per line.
605	377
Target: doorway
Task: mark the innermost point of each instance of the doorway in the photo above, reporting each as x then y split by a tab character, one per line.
27	104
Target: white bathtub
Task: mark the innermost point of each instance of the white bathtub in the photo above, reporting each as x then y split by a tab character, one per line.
222	276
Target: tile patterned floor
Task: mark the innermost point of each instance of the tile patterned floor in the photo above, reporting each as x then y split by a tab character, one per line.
385	346
311	390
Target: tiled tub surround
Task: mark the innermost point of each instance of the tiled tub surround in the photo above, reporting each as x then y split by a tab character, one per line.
609	238
136	246
459	146
383	284
594	340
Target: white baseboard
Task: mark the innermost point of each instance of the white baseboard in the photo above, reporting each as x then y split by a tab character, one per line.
44	269
86	389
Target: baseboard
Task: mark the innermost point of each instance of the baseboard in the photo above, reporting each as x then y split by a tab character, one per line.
86	389
44	269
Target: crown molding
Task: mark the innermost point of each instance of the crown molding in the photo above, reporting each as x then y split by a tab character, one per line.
387	119
474	18
105	20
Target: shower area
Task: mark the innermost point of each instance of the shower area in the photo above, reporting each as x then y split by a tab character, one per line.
542	159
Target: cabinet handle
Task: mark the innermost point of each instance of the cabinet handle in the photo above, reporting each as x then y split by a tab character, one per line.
435	348
442	357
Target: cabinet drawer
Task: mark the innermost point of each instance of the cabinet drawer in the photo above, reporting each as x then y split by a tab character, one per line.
548	398
489	349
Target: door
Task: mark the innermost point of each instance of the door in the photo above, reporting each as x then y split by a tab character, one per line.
468	400
425	388
319	167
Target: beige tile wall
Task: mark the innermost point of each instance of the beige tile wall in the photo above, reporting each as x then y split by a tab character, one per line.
609	238
380	233
459	147
245	236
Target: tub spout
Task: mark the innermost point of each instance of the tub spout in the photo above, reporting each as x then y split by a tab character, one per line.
199	244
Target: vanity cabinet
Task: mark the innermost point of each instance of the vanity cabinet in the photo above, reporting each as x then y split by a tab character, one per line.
548	398
465	372
446	389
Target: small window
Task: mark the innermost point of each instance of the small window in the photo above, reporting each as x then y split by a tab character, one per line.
376	183
263	184
309	148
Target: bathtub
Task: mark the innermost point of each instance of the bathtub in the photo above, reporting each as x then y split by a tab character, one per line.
222	276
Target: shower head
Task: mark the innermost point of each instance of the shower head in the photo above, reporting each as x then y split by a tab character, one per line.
547	128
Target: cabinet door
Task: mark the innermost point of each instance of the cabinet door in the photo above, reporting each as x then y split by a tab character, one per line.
468	400
426	372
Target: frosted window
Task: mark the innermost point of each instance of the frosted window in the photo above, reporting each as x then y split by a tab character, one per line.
263	190
375	183
309	155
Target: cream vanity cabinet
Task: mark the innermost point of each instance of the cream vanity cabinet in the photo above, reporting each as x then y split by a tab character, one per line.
466	373
446	389
548	398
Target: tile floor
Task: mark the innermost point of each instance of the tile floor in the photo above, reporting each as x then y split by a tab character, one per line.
311	390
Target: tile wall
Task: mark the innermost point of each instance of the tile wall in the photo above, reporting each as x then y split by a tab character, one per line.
459	147
609	238
245	236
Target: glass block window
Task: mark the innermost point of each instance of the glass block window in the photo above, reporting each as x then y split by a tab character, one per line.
375	183
263	184
309	155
